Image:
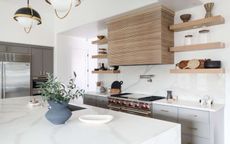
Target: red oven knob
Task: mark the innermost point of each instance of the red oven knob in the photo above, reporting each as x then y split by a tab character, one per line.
130	104
119	102
137	105
144	106
148	106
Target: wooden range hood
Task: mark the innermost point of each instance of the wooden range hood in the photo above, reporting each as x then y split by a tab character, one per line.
141	37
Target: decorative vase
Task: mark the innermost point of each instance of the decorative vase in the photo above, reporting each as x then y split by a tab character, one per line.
58	112
208	7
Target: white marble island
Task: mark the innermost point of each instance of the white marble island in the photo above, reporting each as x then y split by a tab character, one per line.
21	124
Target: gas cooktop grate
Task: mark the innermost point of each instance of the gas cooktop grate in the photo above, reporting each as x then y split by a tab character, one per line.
151	98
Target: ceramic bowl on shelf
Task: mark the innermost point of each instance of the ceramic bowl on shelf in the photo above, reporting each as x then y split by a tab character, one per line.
100	37
185	17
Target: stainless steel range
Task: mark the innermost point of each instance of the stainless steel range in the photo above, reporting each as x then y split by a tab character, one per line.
132	103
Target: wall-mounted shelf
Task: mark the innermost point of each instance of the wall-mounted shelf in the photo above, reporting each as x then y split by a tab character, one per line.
205	46
215	20
207	71
100	56
106	72
100	42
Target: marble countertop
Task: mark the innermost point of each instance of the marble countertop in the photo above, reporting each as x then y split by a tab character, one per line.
190	105
22	124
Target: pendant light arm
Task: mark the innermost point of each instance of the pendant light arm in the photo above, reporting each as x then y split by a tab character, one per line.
65	14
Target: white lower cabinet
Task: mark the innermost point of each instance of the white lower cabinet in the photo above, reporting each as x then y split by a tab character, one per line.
197	127
188	139
166	113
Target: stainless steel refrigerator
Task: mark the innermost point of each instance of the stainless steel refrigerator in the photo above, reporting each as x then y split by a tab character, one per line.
15	75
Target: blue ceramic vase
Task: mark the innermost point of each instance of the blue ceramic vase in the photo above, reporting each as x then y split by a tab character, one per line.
58	112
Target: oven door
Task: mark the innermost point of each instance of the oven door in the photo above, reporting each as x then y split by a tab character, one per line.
139	112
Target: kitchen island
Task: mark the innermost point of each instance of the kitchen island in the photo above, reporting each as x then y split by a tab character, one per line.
22	124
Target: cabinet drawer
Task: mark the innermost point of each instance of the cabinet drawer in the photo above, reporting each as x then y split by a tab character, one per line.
195	129
186	139
167	113
89	100
102	102
193	115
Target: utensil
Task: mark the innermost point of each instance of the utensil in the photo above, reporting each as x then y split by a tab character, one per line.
212	64
115	68
100	37
96	119
115	91
208	7
116	85
184	64
193	64
185	17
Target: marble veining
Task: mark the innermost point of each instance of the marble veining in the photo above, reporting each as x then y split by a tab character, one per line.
22	124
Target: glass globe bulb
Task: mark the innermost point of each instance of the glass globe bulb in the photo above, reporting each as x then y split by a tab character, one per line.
26	22
61	5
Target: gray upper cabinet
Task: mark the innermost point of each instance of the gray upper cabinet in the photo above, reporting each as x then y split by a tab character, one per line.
2	48
42	61
48	60
37	62
18	49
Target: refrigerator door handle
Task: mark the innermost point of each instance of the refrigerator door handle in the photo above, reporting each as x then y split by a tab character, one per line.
4	80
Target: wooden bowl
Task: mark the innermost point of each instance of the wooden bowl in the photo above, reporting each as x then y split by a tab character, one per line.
100	37
185	17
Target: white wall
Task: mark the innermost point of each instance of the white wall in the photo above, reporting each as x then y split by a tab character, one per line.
94	10
72	57
11	31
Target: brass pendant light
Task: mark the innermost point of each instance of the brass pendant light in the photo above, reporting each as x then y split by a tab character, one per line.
27	17
63	6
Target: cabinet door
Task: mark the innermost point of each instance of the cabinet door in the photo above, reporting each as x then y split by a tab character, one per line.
2	48
89	100
194	122
102	102
18	49
37	62
167	113
47	61
187	139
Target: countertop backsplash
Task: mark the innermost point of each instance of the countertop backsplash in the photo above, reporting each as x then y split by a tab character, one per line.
185	86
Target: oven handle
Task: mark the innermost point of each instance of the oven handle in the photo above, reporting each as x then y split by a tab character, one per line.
129	110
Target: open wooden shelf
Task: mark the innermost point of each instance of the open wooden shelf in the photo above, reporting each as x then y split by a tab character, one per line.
100	42
100	56
205	46
215	20
207	71
106	72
